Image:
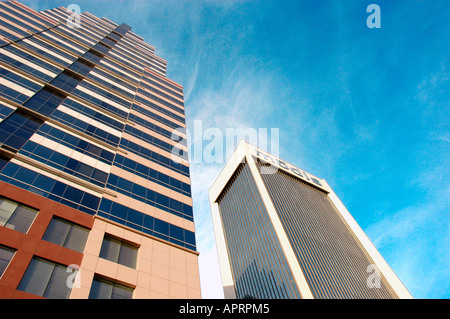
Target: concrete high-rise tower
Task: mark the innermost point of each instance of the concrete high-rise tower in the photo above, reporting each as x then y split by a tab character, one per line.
94	202
283	233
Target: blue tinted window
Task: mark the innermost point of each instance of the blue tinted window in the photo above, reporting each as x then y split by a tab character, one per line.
176	232
82	67
76	143
66	81
46	54
24	175
135	217
189	237
12	95
3	162
90	201
45	183
59	189
147	224
161	227
92	56
17	129
74	194
153	156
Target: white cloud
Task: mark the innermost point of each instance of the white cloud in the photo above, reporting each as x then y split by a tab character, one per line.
235	103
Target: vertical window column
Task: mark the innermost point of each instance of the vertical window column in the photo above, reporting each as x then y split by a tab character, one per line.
17	129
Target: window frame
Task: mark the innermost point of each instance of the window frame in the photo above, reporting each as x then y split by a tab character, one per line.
112	283
117	256
8	224
66	241
27	285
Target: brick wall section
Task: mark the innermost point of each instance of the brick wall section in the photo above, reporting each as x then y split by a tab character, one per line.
31	244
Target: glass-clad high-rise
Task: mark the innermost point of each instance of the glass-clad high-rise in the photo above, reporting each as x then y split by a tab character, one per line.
94	202
282	233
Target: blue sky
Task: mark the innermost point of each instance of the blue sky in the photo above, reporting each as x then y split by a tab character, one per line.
365	109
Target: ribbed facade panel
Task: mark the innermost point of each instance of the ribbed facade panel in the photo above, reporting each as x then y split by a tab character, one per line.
332	259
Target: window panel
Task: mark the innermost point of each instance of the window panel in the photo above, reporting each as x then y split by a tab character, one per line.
66	81
57	232
92	56
6	209
127	256
66	234
77	237
3	162
34	59
103	289
110	249
16	216
22	219
121	292
46	279
36	277
6	255
17	129
81	67
45	101
100	290
57	287
119	252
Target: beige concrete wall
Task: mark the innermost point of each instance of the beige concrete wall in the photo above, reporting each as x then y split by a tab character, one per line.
162	271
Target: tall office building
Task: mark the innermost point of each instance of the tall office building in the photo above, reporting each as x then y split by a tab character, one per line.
93	204
283	233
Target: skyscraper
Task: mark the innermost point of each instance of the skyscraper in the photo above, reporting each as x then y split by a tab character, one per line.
283	233
93	204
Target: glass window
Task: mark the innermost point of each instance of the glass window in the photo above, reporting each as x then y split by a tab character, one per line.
103	289
81	67
6	255
45	101
92	56
66	234
16	130
16	216
46	279
119	252
66	81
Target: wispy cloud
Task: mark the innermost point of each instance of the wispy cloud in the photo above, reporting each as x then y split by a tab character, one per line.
404	240
191	85
234	102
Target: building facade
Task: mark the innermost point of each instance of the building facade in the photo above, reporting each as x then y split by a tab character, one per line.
282	233
94	203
